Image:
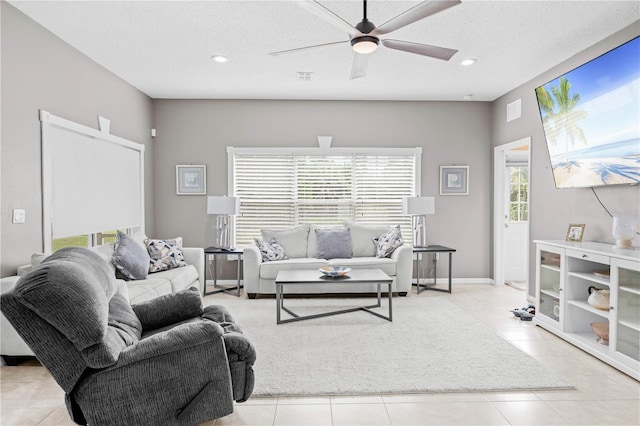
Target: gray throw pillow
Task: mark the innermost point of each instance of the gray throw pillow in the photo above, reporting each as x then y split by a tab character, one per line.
130	258
333	243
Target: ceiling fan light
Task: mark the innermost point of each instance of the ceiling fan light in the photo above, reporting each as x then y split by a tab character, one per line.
365	44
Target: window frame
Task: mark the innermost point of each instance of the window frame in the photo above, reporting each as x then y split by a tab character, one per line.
415	152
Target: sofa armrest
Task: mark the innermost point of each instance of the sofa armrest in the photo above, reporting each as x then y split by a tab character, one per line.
251	260
403	256
195	256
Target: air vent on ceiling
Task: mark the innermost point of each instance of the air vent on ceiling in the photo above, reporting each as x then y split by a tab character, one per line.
304	76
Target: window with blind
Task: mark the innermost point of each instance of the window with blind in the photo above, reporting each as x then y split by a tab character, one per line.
281	187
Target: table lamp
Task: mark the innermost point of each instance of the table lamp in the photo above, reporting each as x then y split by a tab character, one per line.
418	208
224	208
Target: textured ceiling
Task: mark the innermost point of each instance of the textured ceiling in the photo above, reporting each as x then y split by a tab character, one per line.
164	47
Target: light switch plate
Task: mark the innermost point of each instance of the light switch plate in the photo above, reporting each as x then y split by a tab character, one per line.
19	215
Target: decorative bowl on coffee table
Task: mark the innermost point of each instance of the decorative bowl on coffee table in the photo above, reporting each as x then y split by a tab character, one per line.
335	271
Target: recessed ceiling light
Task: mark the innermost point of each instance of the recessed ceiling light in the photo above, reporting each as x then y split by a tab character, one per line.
219	59
467	62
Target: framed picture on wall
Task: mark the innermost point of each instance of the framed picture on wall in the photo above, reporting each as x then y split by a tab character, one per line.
454	180
191	180
575	233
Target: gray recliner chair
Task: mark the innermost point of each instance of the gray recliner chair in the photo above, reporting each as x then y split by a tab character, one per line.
167	361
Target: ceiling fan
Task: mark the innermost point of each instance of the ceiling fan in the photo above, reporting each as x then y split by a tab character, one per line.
364	37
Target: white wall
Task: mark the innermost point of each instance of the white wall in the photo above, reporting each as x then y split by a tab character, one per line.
40	71
198	132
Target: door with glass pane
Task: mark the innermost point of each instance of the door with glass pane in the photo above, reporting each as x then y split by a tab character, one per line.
516	223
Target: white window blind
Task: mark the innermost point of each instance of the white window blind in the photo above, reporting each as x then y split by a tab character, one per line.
281	187
92	181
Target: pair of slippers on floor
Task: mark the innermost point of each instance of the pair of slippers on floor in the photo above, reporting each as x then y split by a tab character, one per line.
525	314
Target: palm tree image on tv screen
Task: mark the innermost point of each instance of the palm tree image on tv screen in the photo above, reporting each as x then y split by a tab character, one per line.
591	120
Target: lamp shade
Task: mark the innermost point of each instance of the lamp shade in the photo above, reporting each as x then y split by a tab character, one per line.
222	205
418	205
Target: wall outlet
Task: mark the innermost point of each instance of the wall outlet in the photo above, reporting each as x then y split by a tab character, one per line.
19	216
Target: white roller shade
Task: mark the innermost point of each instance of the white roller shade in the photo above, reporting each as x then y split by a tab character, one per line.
93	181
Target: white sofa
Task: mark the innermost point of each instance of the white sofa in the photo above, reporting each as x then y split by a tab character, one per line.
299	244
156	284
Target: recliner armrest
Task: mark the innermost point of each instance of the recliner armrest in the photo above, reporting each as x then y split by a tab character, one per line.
178	338
169	309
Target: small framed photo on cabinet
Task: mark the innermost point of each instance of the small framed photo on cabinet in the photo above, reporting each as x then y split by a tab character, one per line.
575	233
191	180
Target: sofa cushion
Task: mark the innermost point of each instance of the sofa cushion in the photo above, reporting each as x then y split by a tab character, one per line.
388	242
130	259
270	250
362	236
180	278
142	290
106	252
270	270
165	254
333	243
293	240
387	265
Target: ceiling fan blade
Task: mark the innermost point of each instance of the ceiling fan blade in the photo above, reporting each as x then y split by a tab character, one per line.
300	49
359	67
416	13
420	49
327	15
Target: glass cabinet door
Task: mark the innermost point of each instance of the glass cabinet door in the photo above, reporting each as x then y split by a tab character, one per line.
549	284
627	338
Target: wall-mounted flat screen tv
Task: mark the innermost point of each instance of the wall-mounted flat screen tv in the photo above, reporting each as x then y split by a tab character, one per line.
591	120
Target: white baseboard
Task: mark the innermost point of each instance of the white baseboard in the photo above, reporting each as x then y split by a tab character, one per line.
445	281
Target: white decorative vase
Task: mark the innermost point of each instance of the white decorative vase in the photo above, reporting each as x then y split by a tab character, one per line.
624	230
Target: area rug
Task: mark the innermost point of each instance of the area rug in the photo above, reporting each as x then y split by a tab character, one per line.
431	346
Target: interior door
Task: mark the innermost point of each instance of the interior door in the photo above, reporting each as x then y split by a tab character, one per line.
516	218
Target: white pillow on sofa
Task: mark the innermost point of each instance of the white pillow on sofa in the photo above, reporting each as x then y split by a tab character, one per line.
293	240
362	235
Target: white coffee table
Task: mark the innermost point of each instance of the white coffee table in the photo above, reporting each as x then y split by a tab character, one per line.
313	276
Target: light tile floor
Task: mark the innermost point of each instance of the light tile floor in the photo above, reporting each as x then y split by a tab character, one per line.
604	396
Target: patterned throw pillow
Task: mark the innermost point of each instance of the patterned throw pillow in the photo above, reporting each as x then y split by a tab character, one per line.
271	250
165	254
388	242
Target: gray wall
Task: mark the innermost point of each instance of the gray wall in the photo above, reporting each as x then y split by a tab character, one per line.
198	132
40	71
552	210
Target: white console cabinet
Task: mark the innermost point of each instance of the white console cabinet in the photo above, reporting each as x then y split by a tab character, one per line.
564	273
